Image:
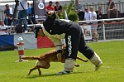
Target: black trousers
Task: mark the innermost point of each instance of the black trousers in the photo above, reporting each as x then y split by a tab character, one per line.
81	15
75	42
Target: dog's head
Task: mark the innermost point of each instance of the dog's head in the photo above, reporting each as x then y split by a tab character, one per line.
38	31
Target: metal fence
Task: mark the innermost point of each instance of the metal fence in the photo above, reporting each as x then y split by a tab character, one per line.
109	29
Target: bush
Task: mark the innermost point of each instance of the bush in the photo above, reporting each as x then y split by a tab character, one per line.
73	16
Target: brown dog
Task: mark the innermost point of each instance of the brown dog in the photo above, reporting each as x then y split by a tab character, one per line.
45	59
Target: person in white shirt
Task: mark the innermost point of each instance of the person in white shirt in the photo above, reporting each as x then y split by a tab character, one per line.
22	15
93	16
87	16
3	28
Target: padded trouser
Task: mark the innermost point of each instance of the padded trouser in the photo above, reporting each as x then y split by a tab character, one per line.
75	42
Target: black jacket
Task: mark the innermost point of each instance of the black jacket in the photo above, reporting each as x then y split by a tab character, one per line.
56	26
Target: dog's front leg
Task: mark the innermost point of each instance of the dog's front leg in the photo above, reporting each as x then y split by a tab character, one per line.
36	67
39	71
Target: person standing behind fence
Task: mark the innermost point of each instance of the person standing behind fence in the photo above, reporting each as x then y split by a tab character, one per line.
58	8
50	7
22	15
99	15
8	12
29	9
112	9
79	10
87	16
93	16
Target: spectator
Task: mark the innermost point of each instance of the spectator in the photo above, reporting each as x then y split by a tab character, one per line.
32	9
29	9
112	8
93	16
99	15
50	7
79	10
99	12
8	12
58	8
32	18
3	28
22	15
87	16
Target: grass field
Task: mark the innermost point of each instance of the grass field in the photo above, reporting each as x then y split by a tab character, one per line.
112	54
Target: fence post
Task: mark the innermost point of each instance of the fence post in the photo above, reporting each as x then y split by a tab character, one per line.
104	38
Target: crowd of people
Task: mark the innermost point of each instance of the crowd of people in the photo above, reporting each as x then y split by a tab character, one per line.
26	9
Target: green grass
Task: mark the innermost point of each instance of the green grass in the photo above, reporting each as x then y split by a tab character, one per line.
112	54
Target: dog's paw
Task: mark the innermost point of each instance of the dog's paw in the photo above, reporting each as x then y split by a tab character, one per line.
77	65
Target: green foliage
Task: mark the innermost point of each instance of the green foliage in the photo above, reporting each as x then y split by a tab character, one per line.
72	15
69	7
111	71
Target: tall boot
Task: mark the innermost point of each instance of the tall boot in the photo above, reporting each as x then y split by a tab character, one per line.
68	66
96	61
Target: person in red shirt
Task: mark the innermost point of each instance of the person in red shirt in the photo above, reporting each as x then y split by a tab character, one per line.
50	7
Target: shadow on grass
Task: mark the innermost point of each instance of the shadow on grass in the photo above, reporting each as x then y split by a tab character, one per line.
47	75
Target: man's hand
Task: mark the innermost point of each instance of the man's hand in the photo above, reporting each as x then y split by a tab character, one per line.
50	13
59	56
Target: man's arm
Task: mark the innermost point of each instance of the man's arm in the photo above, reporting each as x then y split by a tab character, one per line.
58	45
57	42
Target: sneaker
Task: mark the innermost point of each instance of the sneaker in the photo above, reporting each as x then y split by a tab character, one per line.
25	31
98	66
64	72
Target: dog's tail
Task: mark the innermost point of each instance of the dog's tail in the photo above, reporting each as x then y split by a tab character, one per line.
79	58
30	57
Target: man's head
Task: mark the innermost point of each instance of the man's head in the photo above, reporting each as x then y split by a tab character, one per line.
91	8
110	0
50	3
7	6
38	31
57	3
77	2
2	23
86	9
